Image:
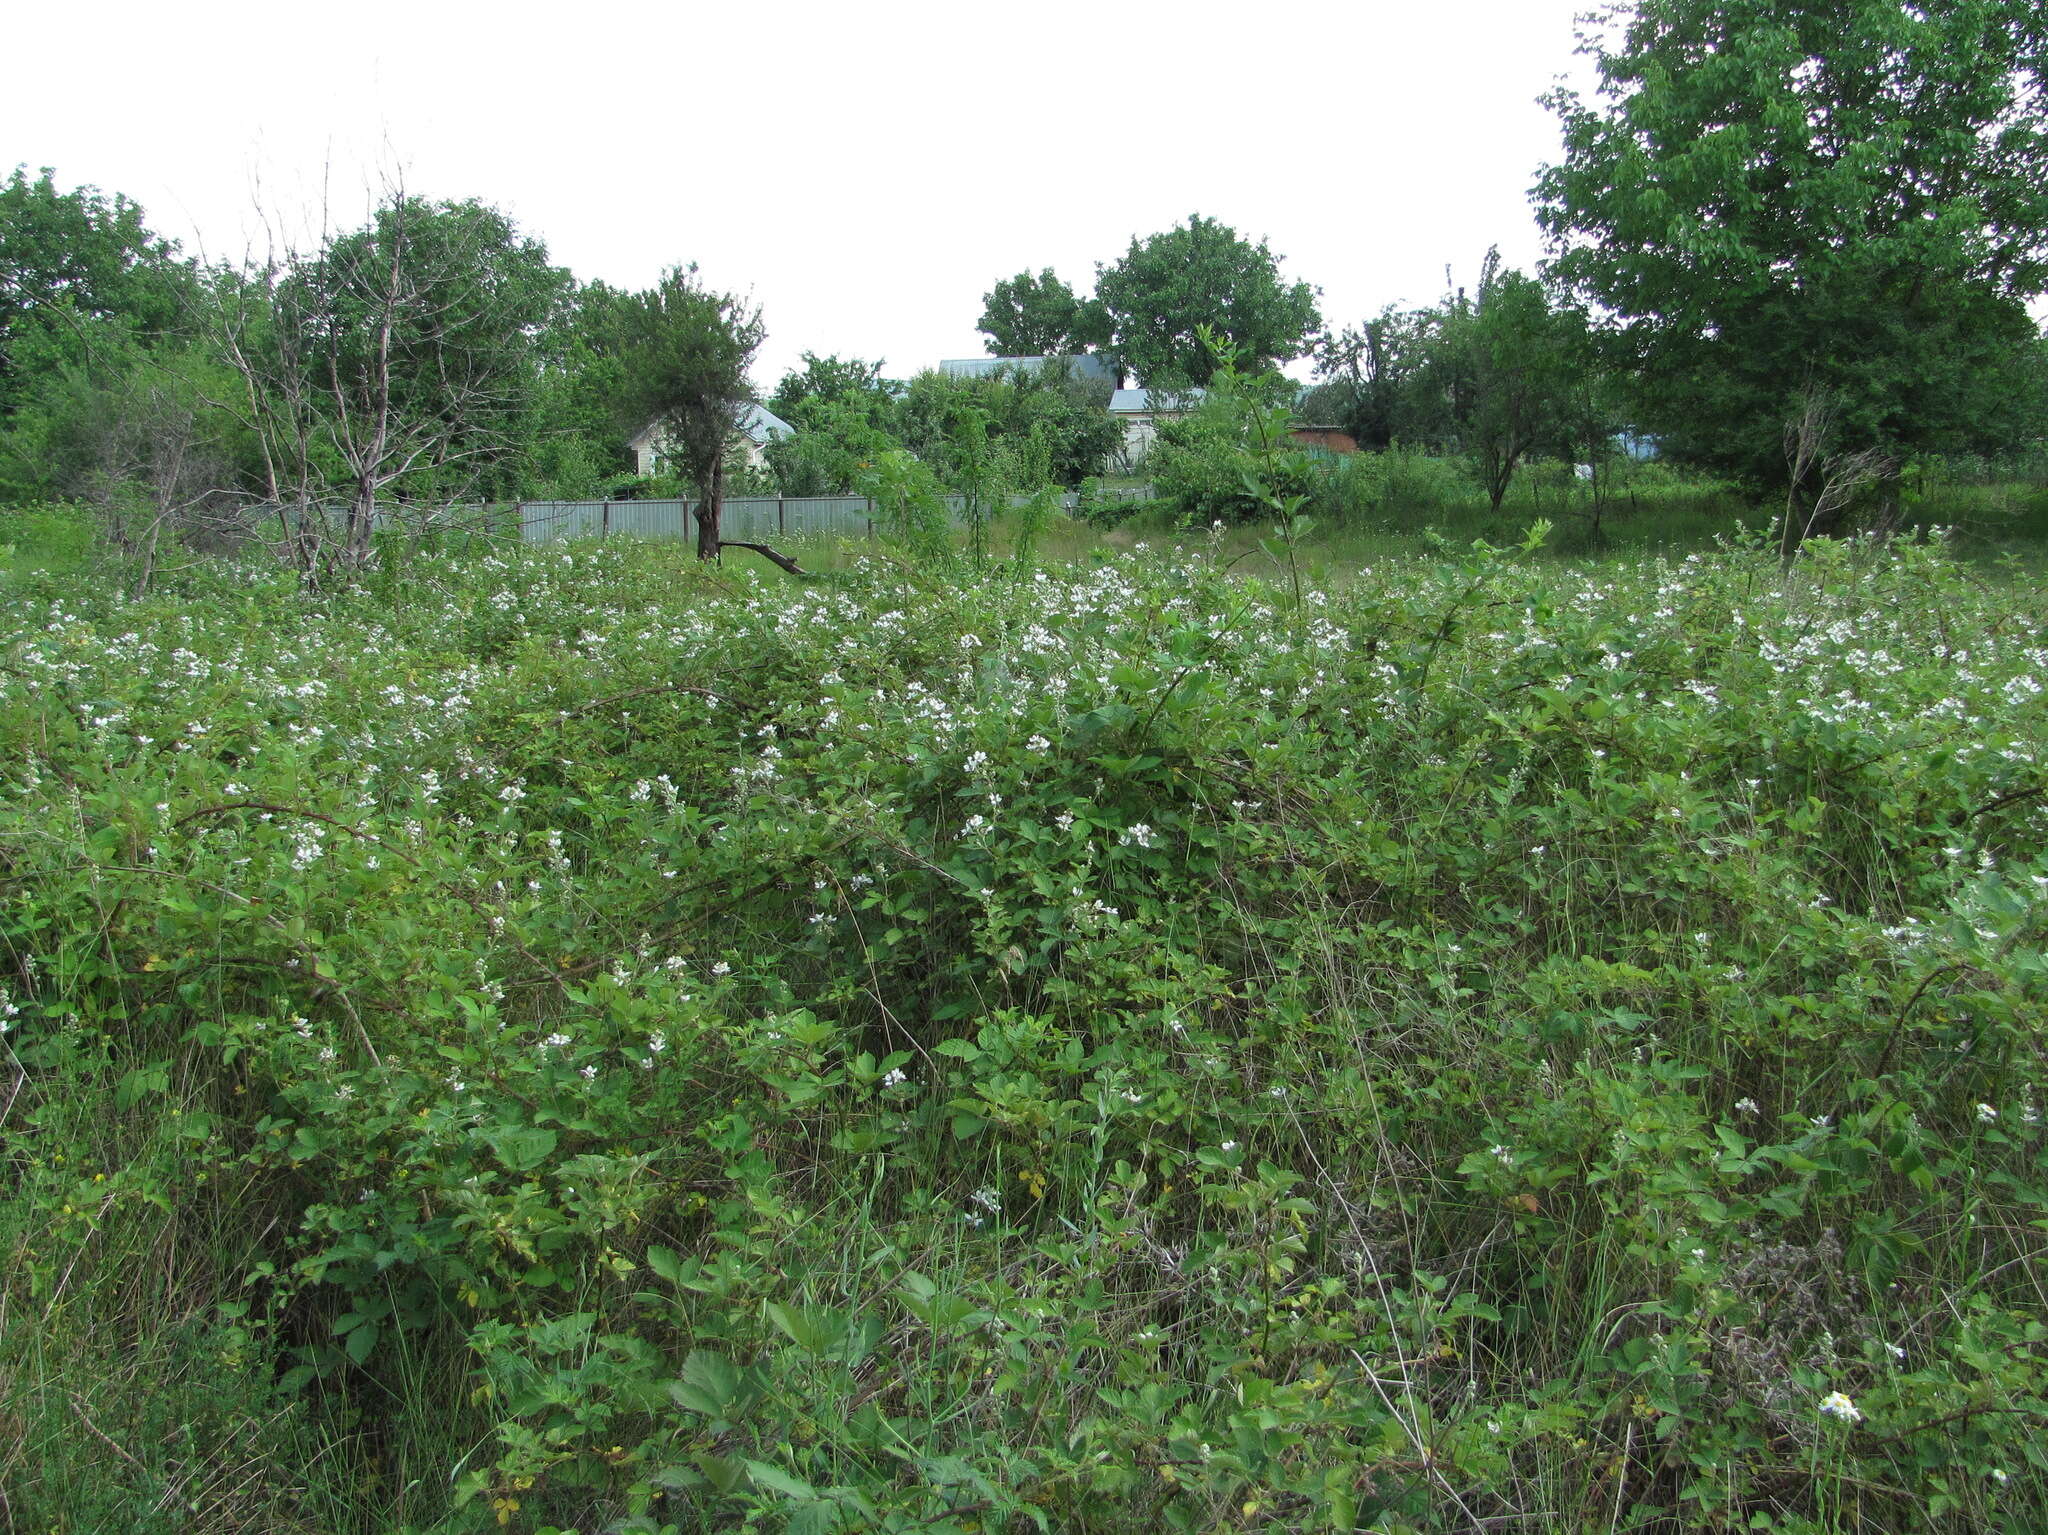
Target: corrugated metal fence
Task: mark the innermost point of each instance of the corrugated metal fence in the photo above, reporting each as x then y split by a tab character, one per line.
753	518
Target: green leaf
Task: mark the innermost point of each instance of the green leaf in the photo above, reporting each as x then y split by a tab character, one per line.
777	1480
818	1517
665	1263
521	1147
721	1471
801	1326
143	1082
710	1384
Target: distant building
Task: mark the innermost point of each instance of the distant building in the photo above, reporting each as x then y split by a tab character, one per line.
759	426
1084	365
1141	410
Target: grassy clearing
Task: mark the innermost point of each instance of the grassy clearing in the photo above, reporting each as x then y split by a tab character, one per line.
573	1040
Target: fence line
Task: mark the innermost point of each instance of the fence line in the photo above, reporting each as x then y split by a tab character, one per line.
753	518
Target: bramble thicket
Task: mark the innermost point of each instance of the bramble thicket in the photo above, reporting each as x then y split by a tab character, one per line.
579	1040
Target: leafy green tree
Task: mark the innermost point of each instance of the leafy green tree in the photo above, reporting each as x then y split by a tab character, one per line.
844	413
1516	358
1233	458
1066	416
424	321
1807	211
835	442
1202	273
686	353
1591	411
829	378
576	444
87	427
1027	316
909	504
134	436
75	266
1373	376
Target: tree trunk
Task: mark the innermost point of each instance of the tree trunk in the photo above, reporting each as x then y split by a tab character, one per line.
710	510
362	523
711	515
1497	469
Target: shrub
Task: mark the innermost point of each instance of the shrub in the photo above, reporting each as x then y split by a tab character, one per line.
1231	459
1401	488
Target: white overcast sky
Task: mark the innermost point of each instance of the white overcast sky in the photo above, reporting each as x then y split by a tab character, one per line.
866	171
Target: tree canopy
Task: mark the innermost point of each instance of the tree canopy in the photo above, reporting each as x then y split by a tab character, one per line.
827	379
1782	202
1027	316
1202	273
401	359
1515	354
686	352
844	413
77	258
1496	373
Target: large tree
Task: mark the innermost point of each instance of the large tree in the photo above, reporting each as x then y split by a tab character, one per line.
75	267
1830	212
844	413
1202	273
575	448
830	379
1063	416
1027	316
1376	380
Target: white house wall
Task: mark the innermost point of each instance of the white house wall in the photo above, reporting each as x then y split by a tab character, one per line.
1140	432
647	452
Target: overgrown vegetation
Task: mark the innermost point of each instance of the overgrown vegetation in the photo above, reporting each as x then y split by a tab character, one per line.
1237	456
1357	1018
578	1041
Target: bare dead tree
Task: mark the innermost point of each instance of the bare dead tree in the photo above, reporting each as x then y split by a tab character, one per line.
1807	435
394	357
1845	478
